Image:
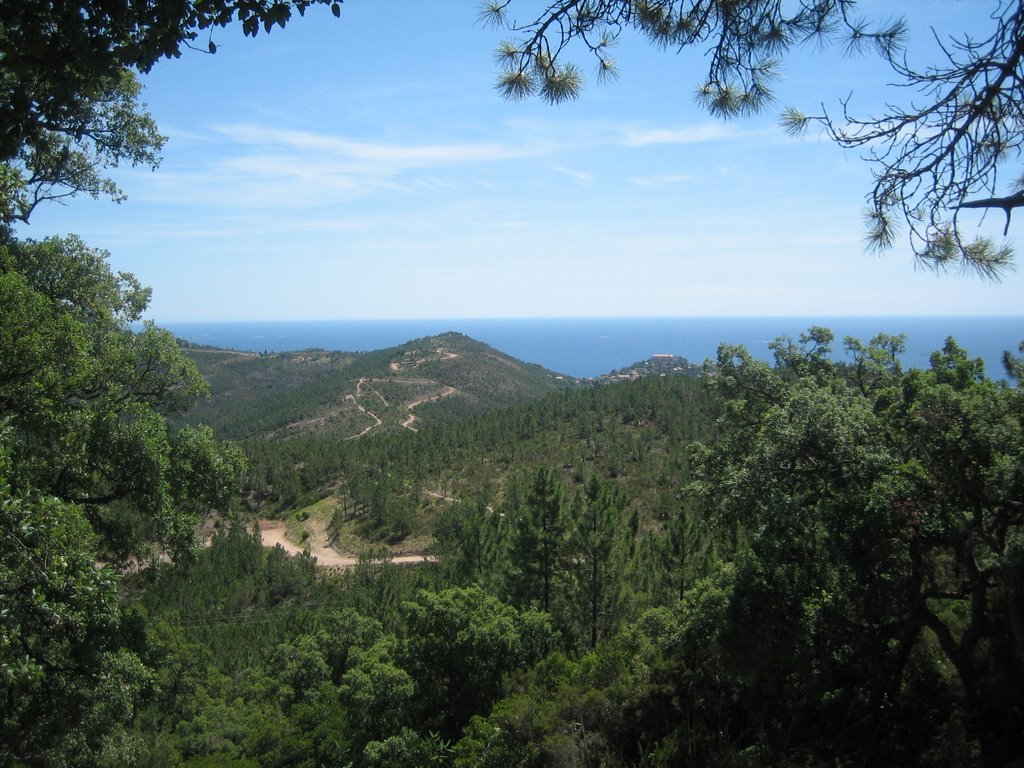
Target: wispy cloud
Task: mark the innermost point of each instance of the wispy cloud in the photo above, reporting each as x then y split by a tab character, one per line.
695	134
661	182
691	134
177	133
391	155
584	179
260	166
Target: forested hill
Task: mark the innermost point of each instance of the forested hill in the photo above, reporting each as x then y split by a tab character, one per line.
390	434
808	564
350	394
803	563
767	566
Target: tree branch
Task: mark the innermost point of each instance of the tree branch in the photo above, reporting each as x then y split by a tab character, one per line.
1007	204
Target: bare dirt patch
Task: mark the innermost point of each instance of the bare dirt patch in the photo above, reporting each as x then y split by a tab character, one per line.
274	534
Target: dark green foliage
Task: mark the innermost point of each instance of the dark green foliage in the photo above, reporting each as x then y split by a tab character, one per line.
299	412
536	550
87	398
865	560
214	627
836	575
66	685
89	468
459	646
470	539
227	596
317	391
597	551
876	544
637	432
460	642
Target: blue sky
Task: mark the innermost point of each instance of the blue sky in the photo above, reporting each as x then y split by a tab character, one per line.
365	167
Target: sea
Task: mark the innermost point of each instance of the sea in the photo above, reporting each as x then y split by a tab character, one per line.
589	347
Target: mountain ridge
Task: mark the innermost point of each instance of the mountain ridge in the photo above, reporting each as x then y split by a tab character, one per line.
271	394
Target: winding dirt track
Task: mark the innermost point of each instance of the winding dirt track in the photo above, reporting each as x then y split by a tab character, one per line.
411	418
272	532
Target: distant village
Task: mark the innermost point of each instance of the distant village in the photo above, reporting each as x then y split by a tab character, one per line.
656	365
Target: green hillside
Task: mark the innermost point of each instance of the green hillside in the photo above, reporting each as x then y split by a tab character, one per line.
347	394
808	564
436	554
775	594
634	434
394	436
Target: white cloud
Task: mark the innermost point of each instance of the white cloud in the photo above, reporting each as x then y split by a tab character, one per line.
393	155
268	167
691	134
661	182
696	134
584	179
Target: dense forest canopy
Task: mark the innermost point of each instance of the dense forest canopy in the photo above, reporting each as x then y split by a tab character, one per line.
764	564
810	562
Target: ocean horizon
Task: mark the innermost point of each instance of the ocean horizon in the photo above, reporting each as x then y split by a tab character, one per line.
588	347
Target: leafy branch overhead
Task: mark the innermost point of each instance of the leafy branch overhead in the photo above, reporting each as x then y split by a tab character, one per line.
69	101
943	153
54	56
745	39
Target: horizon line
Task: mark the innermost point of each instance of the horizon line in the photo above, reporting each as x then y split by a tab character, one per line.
605	318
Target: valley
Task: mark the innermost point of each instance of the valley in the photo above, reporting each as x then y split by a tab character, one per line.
329	404
378	543
435	553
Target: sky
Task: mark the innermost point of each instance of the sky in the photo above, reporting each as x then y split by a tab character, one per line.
366	168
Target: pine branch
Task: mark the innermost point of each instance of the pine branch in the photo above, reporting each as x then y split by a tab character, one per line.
1007	204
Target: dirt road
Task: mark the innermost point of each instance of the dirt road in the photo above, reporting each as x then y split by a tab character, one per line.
411	418
272	533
